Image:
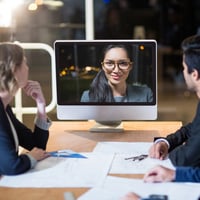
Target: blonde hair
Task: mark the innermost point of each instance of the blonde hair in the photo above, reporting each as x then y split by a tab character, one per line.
11	58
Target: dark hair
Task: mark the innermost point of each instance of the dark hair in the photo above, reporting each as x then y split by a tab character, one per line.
191	51
100	90
111	46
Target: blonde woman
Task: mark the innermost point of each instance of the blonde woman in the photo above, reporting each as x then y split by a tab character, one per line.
14	75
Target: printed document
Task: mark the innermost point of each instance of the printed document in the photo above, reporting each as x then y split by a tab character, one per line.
115	188
64	172
124	150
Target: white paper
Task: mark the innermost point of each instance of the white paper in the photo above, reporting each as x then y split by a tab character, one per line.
64	172
122	166
123	150
123	147
115	188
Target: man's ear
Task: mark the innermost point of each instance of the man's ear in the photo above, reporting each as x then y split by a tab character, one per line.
195	74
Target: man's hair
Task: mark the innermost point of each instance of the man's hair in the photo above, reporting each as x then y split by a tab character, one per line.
191	51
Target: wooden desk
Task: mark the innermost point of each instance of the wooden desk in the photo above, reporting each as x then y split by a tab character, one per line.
75	136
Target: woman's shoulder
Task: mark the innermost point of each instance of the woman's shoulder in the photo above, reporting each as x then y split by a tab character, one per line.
138	88
85	96
139	93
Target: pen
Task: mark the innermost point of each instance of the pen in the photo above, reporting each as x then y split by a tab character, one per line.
129	158
139	158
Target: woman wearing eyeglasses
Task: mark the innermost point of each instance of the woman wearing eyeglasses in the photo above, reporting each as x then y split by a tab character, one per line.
110	84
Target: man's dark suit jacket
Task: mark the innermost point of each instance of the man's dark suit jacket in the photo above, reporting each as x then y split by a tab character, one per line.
10	162
185	143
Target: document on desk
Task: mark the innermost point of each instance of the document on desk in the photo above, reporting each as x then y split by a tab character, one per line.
123	147
115	188
64	172
124	150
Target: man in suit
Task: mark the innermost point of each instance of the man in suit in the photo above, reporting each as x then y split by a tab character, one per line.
182	147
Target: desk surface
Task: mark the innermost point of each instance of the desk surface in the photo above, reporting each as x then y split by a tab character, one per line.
75	136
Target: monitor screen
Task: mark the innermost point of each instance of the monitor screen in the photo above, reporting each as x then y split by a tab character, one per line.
106	80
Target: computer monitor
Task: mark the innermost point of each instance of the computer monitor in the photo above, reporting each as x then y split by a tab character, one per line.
77	64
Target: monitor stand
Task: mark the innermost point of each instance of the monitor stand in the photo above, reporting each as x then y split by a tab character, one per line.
108	127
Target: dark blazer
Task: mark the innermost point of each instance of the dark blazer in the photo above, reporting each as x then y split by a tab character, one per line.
185	143
10	162
187	174
134	93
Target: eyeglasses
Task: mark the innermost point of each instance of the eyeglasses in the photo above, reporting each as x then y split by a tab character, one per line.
110	65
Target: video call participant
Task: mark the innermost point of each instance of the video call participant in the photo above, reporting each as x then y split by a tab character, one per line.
183	145
14	75
110	84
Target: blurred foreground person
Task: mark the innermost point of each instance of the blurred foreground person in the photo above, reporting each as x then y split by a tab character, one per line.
163	174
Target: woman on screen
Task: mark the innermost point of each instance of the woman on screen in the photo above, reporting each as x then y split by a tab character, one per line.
110	84
14	75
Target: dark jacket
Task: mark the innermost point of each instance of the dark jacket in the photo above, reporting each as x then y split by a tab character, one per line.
10	162
187	174
185	143
134	93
